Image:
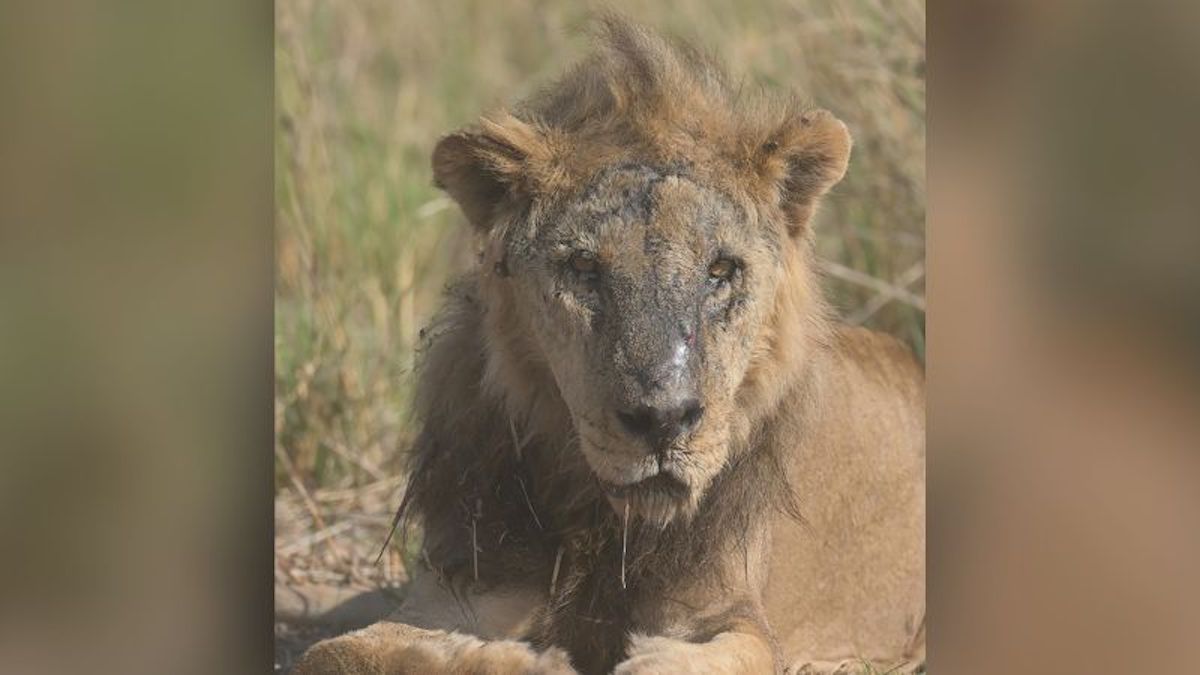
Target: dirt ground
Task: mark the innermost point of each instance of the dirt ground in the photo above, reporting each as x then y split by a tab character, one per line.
327	580
291	641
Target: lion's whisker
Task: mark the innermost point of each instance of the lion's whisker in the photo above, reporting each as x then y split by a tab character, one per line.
529	503
518	445
474	550
554	575
624	542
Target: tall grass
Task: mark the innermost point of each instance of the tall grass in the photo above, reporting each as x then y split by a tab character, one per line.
364	243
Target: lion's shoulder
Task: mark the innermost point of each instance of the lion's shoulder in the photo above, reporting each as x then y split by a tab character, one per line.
882	359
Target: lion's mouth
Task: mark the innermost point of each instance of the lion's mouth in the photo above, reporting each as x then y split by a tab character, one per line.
662	483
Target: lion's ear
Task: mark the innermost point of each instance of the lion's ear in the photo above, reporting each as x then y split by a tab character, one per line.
806	156
480	168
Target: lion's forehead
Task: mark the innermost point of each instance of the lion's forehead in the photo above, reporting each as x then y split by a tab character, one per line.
648	204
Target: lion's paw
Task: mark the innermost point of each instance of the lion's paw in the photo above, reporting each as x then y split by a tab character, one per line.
397	649
650	655
506	657
343	655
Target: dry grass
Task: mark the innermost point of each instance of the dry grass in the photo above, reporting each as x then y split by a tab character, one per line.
364	243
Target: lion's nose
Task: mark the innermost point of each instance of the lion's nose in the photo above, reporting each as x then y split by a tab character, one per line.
661	425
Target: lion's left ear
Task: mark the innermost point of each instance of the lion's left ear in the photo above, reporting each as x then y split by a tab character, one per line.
805	157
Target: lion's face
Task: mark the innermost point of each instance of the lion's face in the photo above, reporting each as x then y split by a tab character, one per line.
645	294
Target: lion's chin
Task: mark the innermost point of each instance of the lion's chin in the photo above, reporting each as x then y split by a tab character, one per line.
656	501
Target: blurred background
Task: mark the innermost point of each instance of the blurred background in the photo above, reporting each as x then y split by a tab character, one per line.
1064	400
364	242
147	387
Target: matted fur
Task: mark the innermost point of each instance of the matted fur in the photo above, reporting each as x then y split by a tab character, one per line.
502	483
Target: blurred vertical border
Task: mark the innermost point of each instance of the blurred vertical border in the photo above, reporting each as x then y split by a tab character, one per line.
1064	288
136	210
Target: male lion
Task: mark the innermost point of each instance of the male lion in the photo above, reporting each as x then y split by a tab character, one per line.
644	444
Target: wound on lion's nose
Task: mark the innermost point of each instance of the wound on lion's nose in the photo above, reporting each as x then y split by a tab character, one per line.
679	356
664	366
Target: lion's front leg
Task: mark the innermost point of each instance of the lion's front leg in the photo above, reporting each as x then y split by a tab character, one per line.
436	631
389	648
741	648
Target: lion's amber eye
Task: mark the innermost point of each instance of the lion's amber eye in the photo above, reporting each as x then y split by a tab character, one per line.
584	263
722	269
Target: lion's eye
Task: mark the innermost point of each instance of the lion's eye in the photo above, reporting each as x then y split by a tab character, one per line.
585	264
721	270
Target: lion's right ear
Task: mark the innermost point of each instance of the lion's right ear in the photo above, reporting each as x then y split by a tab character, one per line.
504	160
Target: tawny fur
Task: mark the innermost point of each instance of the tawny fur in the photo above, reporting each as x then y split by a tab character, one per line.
794	533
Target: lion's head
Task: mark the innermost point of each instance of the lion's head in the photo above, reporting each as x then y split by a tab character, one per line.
646	258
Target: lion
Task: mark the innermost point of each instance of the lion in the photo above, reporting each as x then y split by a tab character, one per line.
645	446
